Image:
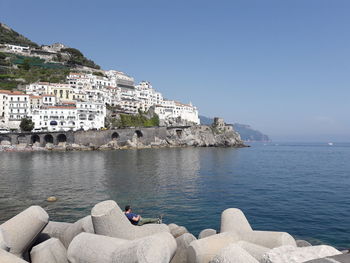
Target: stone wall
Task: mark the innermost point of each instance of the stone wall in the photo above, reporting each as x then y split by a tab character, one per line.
138	137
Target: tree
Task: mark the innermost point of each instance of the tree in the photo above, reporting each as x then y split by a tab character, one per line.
26	125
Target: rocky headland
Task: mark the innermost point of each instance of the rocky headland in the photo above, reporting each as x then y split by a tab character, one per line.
107	236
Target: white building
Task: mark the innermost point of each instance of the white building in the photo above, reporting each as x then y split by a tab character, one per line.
14	106
16	49
170	109
147	95
55	118
91	115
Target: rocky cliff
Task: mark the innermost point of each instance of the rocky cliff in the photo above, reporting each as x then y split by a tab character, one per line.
204	136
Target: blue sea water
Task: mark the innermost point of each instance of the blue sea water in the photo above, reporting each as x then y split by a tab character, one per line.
299	188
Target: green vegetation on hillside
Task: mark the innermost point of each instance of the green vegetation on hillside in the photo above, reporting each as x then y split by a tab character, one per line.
15	69
138	120
77	58
9	36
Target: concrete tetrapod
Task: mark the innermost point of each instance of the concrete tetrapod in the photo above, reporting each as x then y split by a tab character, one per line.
344	258
109	220
52	250
183	243
7	257
203	250
3	244
82	225
176	232
233	219
206	233
22	229
233	253
254	250
92	248
290	254
56	229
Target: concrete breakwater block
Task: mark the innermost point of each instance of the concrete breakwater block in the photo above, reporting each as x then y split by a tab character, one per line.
182	242
233	219
92	248
254	250
176	232
2	241
206	233
233	253
345	258
82	225
56	229
203	250
109	220
21	230
172	226
302	243
52	250
7	257
290	254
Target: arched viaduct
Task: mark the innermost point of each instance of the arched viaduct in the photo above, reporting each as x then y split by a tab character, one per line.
145	135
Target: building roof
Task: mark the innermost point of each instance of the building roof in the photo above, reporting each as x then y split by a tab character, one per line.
35	97
62	107
12	92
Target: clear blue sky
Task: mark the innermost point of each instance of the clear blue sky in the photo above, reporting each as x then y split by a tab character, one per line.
281	66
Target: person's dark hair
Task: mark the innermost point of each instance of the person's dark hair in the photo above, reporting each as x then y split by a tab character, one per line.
127	207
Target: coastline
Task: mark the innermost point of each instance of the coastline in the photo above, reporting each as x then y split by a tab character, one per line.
128	138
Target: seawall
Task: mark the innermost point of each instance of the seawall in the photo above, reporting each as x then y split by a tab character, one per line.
140	137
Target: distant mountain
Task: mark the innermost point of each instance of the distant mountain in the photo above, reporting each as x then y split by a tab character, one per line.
247	133
9	36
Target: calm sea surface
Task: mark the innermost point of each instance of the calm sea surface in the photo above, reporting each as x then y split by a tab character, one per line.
303	189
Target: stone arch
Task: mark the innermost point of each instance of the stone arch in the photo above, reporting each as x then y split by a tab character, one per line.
61	138
139	133
35	138
179	133
5	138
48	138
115	136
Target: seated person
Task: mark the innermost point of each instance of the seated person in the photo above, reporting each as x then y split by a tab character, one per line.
138	220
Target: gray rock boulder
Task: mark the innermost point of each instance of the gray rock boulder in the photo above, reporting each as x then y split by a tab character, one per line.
52	250
233	253
21	230
291	254
206	233
158	248
183	243
5	143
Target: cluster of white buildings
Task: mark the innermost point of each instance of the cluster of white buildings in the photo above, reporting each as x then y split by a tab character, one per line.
80	103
